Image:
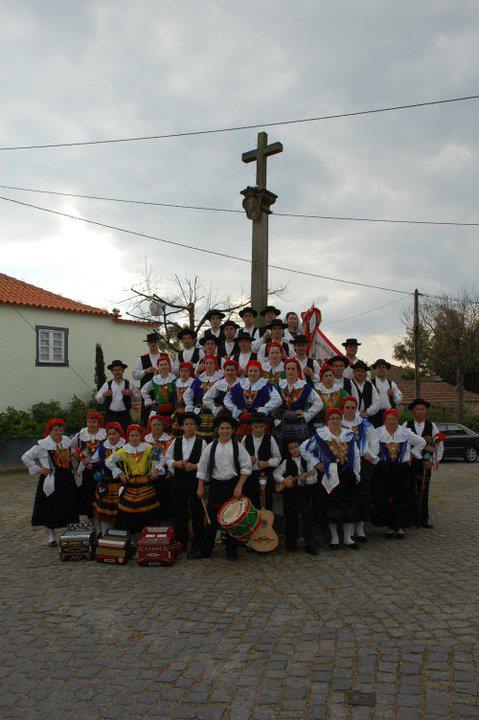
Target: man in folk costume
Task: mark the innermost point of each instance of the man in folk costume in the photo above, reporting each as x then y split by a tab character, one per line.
244	353
309	366
158	394
85	444
224	467
189	352
194	396
368	446
56	499
334	452
214	317
269	313
115	395
300	405
185	380
339	365
265	456
364	391
228	346
248	315
105	505
394	486
145	367
390	395
252	394
214	398
431	455
276	328
351	350
182	458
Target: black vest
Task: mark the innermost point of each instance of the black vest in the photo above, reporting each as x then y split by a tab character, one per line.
211	464
347	387
145	363
195	452
310	365
264	450
292	468
427	431
195	358
365	397
236	356
392	402
223	354
126	398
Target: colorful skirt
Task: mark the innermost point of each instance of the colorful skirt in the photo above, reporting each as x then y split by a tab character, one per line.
138	504
207	427
105	505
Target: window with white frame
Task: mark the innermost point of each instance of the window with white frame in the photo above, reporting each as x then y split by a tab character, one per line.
52	346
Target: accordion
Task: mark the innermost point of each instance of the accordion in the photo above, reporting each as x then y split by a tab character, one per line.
77	542
114	547
157	546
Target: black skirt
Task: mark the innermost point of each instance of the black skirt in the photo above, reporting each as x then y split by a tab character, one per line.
364	489
86	492
61	507
394	496
341	504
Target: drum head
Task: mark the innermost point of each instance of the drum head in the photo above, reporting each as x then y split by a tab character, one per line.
233	510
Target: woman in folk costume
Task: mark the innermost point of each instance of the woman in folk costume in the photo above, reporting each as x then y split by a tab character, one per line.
394	486
158	393
56	499
194	396
337	458
368	446
328	390
182	383
273	367
214	398
105	504
300	404
160	442
86	443
251	394
134	465
292	329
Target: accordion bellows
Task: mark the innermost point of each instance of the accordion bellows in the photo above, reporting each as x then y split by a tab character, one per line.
114	547
77	542
157	546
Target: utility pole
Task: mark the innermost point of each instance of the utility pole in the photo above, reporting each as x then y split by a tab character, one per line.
416	330
257	202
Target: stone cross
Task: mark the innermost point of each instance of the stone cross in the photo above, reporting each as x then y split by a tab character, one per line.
257	202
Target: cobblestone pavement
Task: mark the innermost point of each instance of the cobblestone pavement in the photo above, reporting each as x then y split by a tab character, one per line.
285	637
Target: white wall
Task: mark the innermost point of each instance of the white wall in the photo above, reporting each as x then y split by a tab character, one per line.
22	383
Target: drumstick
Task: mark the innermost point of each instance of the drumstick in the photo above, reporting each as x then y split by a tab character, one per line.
206	511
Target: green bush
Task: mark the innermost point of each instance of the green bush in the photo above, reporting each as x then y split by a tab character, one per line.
21	424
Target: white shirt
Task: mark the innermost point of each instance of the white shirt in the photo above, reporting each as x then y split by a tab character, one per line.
38	454
382	386
138	373
314	404
304	363
275	458
374	407
274	398
224	468
415	444
280	471
186	446
187	355
209	398
117	404
188	397
243	359
419	429
149	386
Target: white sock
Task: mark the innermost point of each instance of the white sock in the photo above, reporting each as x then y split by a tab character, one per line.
333	529
399	532
51	535
359	529
347	530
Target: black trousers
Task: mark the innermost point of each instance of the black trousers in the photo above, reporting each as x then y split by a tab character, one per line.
219	491
186	504
417	472
297	501
122	417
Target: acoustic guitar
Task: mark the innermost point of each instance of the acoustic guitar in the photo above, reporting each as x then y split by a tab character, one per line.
265	539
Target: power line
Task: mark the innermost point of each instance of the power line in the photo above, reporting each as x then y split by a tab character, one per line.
198	249
241	212
366	312
234	128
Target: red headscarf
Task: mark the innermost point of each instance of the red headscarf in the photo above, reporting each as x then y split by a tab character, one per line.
332	411
117	427
211	357
391	411
254	363
154	417
325	368
231	362
296	362
187	365
51	423
134	427
166	357
349	398
274	343
96	416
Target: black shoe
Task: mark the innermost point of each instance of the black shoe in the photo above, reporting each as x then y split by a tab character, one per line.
310	550
52	543
233	558
361	538
390	535
427	526
334	546
199	555
399	536
351	546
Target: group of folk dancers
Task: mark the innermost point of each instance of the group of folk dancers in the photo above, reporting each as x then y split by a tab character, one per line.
240	406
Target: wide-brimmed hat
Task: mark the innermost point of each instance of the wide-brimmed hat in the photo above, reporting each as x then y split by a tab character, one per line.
360	365
210	314
225	417
270	308
277	323
418	401
117	363
208	336
188	416
351	341
299	340
381	361
257	417
250	310
152	337
339	358
187	331
244	336
231	323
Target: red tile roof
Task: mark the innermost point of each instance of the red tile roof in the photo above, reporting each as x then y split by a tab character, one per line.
436	391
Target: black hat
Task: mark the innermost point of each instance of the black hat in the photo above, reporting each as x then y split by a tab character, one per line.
270	308
188	416
418	401
231	323
258	417
244	336
117	363
208	336
225	417
381	361
351	341
152	337
187	331
250	310
338	358
277	323
360	365
210	314
300	340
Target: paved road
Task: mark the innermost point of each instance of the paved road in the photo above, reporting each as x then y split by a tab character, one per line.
284	637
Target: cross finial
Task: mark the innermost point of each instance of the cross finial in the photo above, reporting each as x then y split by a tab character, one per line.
262	151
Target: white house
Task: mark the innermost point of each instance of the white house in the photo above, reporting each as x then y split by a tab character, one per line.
47	344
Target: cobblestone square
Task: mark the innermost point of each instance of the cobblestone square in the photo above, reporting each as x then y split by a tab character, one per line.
386	633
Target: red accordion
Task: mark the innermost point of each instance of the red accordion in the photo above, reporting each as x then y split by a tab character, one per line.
157	546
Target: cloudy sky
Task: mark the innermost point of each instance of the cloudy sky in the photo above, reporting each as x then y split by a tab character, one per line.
105	69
